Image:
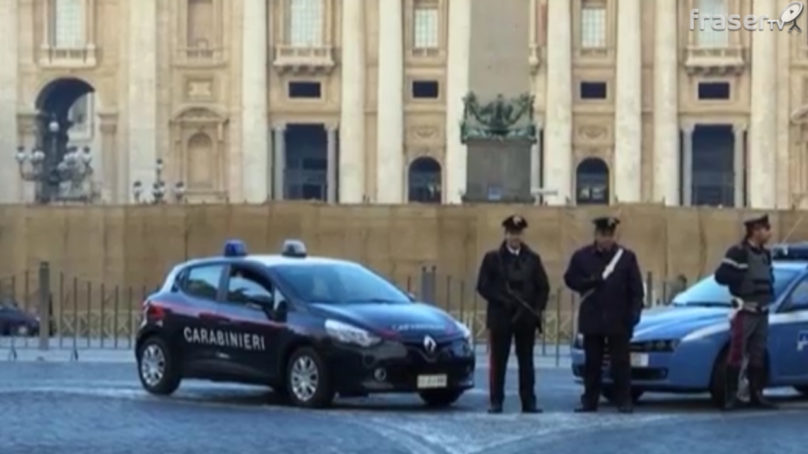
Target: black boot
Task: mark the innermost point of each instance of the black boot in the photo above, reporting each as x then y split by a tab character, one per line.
731	388
757	382
495	409
587	406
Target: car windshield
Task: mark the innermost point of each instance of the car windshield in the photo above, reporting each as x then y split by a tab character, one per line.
708	292
342	283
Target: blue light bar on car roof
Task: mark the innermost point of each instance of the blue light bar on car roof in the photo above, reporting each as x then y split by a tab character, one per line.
235	248
796	252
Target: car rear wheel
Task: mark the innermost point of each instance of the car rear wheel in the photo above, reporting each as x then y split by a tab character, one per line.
157	369
438	398
308	381
609	393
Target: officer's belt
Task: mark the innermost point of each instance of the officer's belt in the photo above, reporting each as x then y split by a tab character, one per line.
749	306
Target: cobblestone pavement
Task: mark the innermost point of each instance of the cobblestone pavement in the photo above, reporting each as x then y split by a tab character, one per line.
99	408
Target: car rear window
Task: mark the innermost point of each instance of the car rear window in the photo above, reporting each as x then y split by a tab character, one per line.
339	284
708	291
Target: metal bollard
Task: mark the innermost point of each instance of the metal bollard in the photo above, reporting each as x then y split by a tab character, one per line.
558	329
44	306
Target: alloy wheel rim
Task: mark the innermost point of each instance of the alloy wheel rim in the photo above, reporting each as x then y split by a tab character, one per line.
152	365
305	378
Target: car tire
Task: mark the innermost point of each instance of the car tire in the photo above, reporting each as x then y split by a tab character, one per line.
308	380
22	331
609	393
157	369
802	390
718	381
439	398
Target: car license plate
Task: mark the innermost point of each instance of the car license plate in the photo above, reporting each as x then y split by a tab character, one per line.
639	360
431	381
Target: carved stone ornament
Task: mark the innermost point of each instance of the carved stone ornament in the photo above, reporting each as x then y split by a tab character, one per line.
592	132
424	134
500	119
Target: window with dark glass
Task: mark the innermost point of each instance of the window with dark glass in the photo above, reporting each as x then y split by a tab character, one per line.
203	281
713	170
593	90
425	89
713	90
244	286
310	90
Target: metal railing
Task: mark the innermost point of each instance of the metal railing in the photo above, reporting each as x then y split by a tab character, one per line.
77	314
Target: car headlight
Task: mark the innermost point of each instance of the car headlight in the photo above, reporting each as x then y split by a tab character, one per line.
350	334
463	329
656	346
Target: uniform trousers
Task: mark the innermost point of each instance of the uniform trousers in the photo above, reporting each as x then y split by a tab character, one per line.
595	346
500	337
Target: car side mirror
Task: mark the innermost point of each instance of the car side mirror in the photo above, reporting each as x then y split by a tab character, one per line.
278	313
412	297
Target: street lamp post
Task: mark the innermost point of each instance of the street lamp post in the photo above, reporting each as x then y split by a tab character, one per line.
158	191
49	172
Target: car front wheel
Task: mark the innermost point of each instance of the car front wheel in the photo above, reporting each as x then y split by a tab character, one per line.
308	382
440	397
157	369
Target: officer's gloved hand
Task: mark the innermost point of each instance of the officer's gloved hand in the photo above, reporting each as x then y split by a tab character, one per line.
594	281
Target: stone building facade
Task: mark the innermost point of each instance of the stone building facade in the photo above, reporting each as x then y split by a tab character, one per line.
353	101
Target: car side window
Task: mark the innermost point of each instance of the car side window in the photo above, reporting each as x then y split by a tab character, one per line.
203	281
799	297
245	285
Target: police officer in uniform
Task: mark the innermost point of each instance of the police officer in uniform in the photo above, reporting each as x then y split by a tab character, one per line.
608	278
747	270
513	281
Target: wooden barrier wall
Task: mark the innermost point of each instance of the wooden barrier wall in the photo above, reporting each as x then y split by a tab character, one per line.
136	245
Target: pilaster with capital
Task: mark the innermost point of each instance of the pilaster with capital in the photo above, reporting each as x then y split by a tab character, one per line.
254	137
687	163
279	161
110	177
352	106
666	100
457	86
739	164
9	56
390	132
558	133
331	169
628	103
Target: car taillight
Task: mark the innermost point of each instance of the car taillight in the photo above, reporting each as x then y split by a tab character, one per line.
152	311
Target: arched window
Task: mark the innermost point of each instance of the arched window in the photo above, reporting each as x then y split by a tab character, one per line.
592	182
425	181
200	157
305	23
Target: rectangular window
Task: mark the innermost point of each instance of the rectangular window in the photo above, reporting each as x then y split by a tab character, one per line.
305	23
68	24
713	90
593	26
425	26
593	90
203	281
304	90
425	89
706	35
200	23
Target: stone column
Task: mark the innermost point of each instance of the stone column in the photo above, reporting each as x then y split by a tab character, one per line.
738	164
109	179
331	176
279	164
558	121
9	56
457	86
142	97
254	102
352	106
763	124
535	162
666	104
687	164
390	133
628	104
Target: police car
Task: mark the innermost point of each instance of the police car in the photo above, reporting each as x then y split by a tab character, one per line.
683	347
309	327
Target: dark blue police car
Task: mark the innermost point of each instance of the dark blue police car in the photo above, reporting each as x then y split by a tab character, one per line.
309	327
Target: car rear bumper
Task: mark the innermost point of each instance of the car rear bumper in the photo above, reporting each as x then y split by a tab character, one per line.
396	367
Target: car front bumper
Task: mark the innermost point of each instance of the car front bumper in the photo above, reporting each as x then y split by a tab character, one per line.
688	368
396	367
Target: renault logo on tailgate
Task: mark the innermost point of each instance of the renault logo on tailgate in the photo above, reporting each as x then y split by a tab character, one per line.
429	344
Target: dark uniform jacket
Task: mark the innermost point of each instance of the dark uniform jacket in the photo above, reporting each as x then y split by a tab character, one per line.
503	274
748	273
615	305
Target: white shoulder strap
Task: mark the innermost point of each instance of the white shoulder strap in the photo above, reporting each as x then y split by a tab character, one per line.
612	264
